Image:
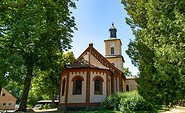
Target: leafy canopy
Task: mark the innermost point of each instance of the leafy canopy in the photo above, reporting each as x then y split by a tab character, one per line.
31	32
158	48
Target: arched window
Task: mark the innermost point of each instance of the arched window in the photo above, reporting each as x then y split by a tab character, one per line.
77	85
63	86
112	50
127	87
3	94
98	85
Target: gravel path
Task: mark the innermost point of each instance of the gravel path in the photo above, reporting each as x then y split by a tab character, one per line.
178	109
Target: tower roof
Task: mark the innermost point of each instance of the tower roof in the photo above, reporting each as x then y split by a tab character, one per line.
112	27
112	31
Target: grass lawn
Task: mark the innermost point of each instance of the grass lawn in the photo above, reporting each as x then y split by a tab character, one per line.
182	110
96	111
108	111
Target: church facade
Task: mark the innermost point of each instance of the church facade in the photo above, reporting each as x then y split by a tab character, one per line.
93	77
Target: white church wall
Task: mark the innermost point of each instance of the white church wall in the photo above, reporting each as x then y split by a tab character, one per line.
77	98
132	85
117	62
97	98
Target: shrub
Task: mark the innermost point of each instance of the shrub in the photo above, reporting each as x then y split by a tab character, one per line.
127	102
46	106
113	101
41	107
134	102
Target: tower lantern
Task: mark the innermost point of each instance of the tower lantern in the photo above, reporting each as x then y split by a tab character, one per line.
113	31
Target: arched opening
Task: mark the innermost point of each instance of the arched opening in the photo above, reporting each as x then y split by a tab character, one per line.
127	87
112	50
77	85
98	85
63	86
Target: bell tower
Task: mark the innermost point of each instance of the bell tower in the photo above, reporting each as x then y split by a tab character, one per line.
113	51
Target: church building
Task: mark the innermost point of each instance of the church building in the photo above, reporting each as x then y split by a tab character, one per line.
86	83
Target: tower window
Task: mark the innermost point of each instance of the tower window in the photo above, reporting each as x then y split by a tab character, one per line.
112	51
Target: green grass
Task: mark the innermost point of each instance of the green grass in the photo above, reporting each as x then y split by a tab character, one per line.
109	111
97	111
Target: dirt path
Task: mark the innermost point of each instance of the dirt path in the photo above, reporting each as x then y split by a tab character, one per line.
177	109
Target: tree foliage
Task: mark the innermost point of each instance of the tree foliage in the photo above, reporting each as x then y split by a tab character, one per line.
127	72
46	83
31	32
158	48
128	102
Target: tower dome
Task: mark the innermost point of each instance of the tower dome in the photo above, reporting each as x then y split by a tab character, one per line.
112	31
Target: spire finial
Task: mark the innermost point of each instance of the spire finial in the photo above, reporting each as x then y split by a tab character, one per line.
112	23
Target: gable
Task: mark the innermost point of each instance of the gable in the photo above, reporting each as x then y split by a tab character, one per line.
88	60
93	59
6	95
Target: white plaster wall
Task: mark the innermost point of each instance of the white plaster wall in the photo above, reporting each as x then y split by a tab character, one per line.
77	98
62	97
132	84
118	62
97	98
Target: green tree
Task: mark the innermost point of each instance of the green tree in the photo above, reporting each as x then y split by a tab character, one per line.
15	88
46	83
127	72
28	31
158	48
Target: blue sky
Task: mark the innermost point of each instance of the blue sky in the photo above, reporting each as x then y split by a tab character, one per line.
93	19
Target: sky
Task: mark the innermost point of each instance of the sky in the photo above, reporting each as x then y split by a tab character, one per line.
93	19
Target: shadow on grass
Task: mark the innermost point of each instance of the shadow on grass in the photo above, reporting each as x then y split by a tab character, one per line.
96	111
110	111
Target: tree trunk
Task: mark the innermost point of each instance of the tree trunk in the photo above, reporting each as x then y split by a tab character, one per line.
53	90
27	84
0	88
53	99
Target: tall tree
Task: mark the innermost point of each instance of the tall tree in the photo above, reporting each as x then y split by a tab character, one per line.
47	82
30	29
159	48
